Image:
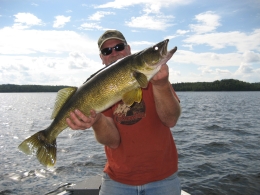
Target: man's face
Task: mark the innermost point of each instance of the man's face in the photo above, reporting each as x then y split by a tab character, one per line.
115	55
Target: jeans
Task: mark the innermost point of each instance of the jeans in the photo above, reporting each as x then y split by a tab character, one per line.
167	186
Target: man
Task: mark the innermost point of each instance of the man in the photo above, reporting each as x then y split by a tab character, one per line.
141	153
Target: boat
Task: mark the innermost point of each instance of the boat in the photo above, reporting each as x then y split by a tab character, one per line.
90	186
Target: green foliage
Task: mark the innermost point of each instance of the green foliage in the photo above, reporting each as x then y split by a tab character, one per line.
223	85
8	88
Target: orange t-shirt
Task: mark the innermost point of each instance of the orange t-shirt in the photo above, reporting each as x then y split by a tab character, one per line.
147	151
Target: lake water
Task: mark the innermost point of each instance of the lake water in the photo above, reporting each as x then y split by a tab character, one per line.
217	136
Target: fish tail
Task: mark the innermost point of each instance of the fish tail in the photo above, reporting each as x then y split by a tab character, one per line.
39	145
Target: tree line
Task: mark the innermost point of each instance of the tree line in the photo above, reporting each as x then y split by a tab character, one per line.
12	88
222	85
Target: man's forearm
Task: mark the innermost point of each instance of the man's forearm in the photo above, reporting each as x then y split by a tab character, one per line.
167	105
106	132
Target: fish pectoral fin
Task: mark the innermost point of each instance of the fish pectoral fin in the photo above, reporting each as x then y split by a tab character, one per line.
38	145
62	97
132	96
141	79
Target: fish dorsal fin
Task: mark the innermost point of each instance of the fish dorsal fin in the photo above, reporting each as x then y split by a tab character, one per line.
62	97
132	96
141	79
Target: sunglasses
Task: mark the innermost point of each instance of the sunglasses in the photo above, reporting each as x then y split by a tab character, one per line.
119	47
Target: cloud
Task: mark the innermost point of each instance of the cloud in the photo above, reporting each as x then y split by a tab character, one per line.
152	18
251	57
119	4
26	20
100	14
205	69
208	59
170	37
27	42
26	54
78	60
244	69
178	34
35	4
159	22
71	69
137	43
90	26
152	8
95	17
222	71
60	21
174	73
182	32
188	46
240	40
207	22
247	72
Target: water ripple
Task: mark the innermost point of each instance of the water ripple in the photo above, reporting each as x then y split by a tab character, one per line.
217	138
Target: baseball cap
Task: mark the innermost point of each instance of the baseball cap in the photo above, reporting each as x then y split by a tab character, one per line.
110	34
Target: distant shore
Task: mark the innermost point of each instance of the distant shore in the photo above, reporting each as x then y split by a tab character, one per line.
222	85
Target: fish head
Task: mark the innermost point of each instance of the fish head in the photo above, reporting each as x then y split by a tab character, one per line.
155	56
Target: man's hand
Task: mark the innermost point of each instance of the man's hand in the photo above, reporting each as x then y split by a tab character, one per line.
161	77
78	120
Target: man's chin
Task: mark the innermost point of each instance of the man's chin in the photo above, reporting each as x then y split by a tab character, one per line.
113	61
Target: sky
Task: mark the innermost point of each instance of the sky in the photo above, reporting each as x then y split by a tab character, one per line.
54	42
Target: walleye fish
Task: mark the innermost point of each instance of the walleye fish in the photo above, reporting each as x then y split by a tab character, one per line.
122	80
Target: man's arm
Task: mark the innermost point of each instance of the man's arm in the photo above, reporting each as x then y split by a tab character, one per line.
167	105
104	127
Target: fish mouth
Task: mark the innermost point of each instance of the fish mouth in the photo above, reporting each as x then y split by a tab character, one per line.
164	51
163	48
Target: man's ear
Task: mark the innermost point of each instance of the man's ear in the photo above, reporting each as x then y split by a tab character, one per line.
129	49
100	55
